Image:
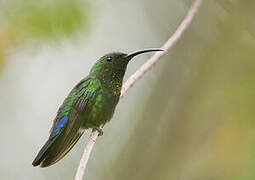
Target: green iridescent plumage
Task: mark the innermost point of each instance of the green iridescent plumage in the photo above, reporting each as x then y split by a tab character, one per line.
90	104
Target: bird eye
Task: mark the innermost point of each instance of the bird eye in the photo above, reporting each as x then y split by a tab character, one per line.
109	59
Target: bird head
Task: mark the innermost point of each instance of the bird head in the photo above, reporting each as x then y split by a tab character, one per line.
114	64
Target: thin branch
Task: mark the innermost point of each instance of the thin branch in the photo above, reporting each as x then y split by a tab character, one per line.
167	46
137	75
86	155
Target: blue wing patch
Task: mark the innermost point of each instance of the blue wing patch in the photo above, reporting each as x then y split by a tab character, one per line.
56	129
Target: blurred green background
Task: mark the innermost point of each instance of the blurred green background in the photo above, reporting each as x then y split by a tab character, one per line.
190	118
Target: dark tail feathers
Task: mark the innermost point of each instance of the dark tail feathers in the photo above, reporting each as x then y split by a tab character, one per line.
42	154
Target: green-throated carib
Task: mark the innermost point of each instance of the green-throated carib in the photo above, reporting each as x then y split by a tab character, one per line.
90	104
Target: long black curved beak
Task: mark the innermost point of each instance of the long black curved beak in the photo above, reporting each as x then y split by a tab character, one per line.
133	54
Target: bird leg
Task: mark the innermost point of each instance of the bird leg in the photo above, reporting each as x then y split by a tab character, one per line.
101	132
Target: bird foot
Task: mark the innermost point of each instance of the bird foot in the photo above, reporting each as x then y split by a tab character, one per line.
101	132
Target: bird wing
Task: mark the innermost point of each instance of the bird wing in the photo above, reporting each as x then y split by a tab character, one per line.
66	129
83	93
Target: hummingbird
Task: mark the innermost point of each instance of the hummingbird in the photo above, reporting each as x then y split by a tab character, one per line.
90	104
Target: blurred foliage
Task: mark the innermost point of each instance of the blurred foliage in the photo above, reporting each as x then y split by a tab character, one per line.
24	20
46	19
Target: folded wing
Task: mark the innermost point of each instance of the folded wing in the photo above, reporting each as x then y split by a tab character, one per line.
67	126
